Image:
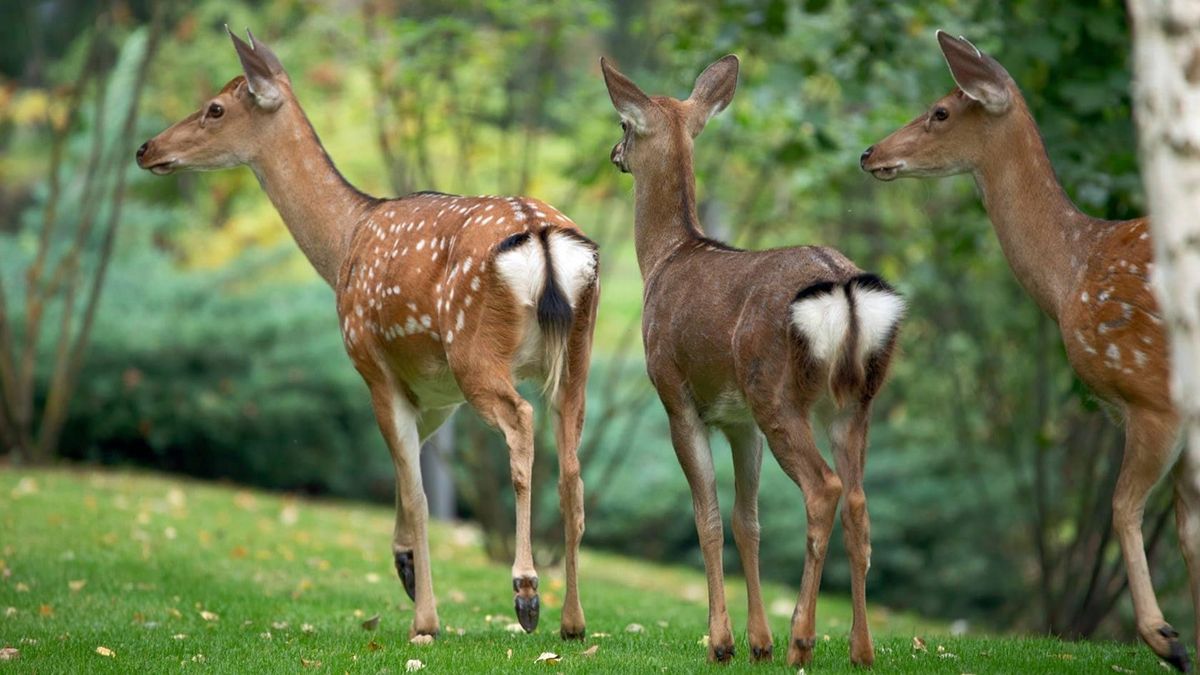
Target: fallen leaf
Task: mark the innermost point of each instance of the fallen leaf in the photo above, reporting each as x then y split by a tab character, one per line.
548	657
918	643
310	663
11	611
422	640
374	646
510	653
307	628
1067	657
22	587
46	610
198	658
1119	669
703	641
279	625
371	623
175	612
105	651
591	651
413	665
372	578
635	628
208	616
10	654
77	585
514	628
600	635
180	636
238	552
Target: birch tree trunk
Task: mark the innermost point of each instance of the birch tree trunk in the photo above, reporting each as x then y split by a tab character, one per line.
1166	52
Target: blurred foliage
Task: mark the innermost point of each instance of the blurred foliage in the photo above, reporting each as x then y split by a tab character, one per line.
216	351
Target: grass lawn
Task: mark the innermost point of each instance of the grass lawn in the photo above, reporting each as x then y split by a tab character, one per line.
125	572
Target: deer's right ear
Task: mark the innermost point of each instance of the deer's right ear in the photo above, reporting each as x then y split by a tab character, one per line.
630	101
260	75
979	76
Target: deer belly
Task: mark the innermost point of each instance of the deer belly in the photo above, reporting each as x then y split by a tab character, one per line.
729	408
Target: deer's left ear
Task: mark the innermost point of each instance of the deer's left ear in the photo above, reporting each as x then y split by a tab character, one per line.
713	91
979	76
630	101
261	67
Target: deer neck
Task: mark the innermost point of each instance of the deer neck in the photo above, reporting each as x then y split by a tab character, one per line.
1043	235
665	215
316	203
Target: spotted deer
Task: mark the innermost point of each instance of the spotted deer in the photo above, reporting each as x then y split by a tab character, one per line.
1091	276
441	299
747	341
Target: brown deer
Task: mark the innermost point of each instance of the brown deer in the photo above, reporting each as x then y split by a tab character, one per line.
440	299
750	340
1091	276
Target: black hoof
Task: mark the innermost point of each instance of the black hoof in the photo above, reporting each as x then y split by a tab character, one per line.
763	653
723	654
526	602
1177	654
408	576
572	634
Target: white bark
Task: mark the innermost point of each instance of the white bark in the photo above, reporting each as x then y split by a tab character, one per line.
1166	54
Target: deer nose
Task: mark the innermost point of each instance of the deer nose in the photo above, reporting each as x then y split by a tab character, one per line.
142	150
862	161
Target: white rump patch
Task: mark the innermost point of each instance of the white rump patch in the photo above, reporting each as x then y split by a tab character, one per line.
574	264
823	320
524	270
878	312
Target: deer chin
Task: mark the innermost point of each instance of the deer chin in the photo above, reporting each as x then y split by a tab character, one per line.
164	168
889	172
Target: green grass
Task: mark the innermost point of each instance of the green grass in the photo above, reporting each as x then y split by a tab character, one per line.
175	575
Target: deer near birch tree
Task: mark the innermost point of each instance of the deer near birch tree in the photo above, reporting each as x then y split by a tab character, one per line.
1091	276
441	299
747	341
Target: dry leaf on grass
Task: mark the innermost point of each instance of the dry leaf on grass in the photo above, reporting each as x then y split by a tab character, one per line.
11	611
635	628
180	636
310	663
22	587
918	644
510	653
105	651
703	641
77	585
371	623
549	658
46	610
1119	669
600	635
10	654
422	640
514	628
374	646
591	651
413	665
307	628
208	616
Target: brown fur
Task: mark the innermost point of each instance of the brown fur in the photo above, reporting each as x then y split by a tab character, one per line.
426	317
1091	276
722	350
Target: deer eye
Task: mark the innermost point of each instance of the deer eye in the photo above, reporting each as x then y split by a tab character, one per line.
624	126
940	114
215	110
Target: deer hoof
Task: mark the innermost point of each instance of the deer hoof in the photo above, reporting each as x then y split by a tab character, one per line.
1176	654
801	651
762	653
408	576
721	653
572	633
526	602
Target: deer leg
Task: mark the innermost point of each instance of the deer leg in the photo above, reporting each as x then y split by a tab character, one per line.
491	393
1149	445
789	436
849	436
1187	520
690	438
570	483
747	465
410	545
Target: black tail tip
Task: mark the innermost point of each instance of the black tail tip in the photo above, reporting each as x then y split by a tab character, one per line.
871	282
814	290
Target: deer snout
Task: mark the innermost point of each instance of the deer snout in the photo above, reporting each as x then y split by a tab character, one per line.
618	157
862	160
141	152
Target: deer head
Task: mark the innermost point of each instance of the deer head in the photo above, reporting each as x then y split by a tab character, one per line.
219	135
657	129
957	130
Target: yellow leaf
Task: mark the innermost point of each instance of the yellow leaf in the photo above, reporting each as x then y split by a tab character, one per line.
105	651
635	628
10	654
549	658
591	651
918	643
46	610
310	663
208	616
374	646
77	586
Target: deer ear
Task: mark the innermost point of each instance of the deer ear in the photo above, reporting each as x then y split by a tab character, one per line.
979	76
631	102
713	91
260	66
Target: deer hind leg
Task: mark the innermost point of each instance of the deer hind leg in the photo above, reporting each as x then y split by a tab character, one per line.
490	391
747	465
410	544
570	411
848	432
1149	449
1187	520
789	436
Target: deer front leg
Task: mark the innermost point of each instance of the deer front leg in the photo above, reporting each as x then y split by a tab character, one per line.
790	438
747	465
849	436
690	438
1149	441
410	545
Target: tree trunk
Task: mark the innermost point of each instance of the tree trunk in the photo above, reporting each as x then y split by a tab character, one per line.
1166	54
